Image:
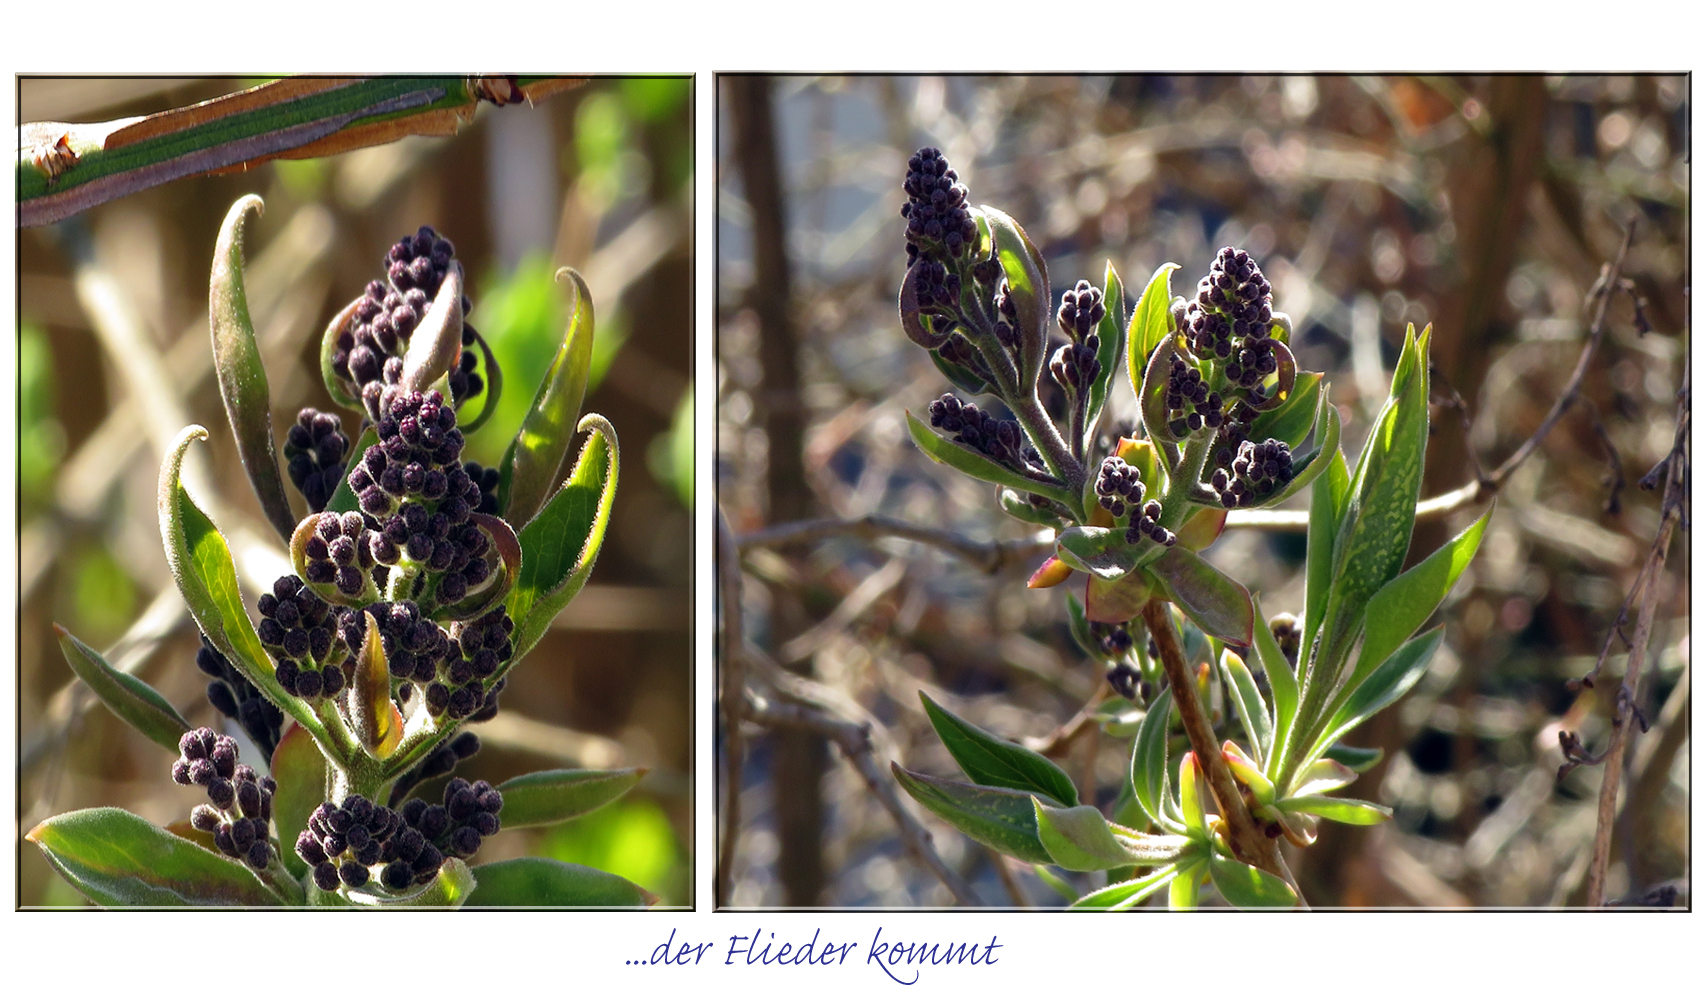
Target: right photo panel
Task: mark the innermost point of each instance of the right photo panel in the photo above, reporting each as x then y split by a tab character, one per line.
1229	491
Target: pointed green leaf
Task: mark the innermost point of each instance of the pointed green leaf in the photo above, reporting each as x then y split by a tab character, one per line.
1030	290
1291	422
299	769
1399	608
543	798
1323	775
200	561
1113	338
1328	501
128	697
1354	811
978	466
534	458
1246	771
241	374
559	547
1391	680
341	390
1150	323
1104	551
1284	688
1002	819
1127	895
1149	763
1249	704
1218	604
1017	506
1190	786
543	882
1081	631
1081	839
990	760
116	858
435	347
1116	602
1359	759
1246	887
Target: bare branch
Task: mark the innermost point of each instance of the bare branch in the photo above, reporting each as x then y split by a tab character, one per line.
730	581
988	557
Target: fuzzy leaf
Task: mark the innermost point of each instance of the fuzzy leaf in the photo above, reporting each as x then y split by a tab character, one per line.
542	798
1184	888
128	697
505	558
1190	786
1354	811
1323	775
1381	688
1151	322
1002	819
1328	501
1116	602
341	390
1359	759
1127	895
241	374
492	370
978	466
450	888
560	546
1284	688
1017	506
1218	604
1249	704
299	769
990	760
1113	338
1291	422
1154	391
916	325
1081	839
116	858
1030	290
1081	631
1149	763
544	882
534	458
1399	608
1104	551
376	721
435	347
1246	887
958	376
1243	768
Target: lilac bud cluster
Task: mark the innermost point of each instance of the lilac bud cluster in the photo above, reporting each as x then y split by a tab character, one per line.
1125	679
1076	364
315	448
1008	329
1000	440
1192	405
441	761
957	351
339	553
298	629
413	645
1081	311
239	814
1285	628
1113	638
937	209
486	479
938	292
1118	486
234	696
344	842
1230	318
1258	471
1145	524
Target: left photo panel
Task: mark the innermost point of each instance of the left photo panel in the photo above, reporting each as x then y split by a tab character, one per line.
354	491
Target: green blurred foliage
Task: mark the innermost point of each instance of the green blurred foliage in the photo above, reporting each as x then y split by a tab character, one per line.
41	439
102	592
670	454
632	839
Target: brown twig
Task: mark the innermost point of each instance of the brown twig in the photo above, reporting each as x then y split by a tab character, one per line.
1653	570
988	557
1245	837
1487	485
730	580
853	742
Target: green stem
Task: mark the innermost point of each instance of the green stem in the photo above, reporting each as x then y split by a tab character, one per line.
1178	488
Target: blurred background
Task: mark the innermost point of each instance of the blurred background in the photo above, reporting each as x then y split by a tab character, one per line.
114	358
1486	205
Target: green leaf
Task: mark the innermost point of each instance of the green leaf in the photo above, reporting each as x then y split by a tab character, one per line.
1055	882
435	347
241	374
990	760
1154	392
299	769
1184	888
1016	506
1284	688
1127	895
1081	631
1249	704
1119	601
1104	551
978	466
1323	775
543	798
1313	463
544	882
1002	819
1246	887
1376	527
341	390
559	547
1399	608
1149	763
1190	786
116	858
1359	759
1291	422
1081	839
958	376
1030	290
1218	604
1113	338
1354	811
1391	680
503	556
1328	500
342	500
1246	770
534	458
200	561
132	700
1150	324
